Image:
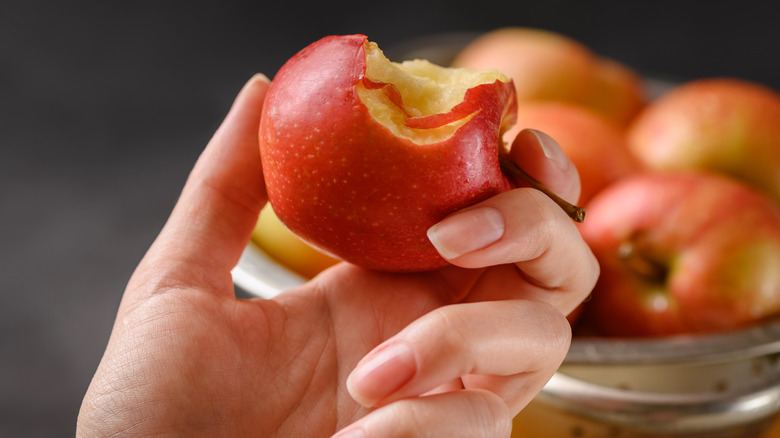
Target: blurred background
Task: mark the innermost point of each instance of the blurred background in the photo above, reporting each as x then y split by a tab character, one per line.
105	106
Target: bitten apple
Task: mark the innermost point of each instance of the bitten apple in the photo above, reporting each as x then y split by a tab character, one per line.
682	252
725	125
362	155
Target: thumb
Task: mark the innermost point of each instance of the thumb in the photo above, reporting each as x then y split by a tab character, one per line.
218	207
540	156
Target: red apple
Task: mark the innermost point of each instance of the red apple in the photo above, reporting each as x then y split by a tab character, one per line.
682	252
725	125
362	155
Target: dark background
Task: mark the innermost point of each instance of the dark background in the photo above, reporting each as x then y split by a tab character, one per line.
105	105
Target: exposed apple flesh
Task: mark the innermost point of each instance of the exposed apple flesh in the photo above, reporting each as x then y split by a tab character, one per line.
361	155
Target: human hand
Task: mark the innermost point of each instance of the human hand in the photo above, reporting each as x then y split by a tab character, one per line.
453	352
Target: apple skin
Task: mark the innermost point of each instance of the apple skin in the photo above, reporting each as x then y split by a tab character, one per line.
550	66
618	91
726	125
682	252
347	185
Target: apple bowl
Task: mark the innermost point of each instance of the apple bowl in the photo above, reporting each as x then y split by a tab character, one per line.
715	385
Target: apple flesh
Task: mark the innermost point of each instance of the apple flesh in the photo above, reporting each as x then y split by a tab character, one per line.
682	252
725	125
362	155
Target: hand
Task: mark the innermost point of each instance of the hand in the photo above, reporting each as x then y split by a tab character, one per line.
456	352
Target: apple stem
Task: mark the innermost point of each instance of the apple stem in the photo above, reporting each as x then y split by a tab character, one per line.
509	167
640	263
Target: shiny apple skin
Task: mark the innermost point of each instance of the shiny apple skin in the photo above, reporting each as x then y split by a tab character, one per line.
344	183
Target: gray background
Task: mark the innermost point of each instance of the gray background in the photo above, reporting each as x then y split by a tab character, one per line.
105	105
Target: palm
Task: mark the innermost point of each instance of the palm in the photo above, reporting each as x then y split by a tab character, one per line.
261	367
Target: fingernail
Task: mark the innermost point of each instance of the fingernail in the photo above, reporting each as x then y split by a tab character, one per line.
467	231
384	372
551	149
257	77
352	432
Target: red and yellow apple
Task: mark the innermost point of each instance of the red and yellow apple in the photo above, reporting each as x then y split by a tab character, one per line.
682	252
726	125
549	66
595	144
284	246
543	64
618	91
362	155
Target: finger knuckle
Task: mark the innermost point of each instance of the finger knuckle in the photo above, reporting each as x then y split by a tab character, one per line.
451	329
554	331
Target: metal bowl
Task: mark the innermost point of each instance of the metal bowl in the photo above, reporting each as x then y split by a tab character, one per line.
721	385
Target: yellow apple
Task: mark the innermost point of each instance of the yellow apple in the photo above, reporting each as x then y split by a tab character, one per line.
281	244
